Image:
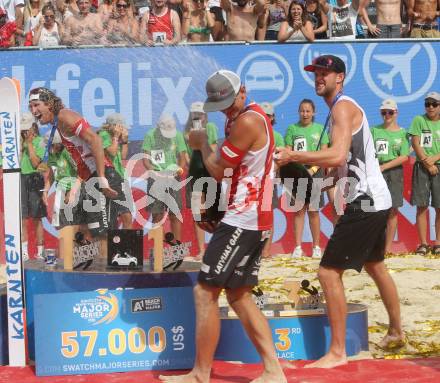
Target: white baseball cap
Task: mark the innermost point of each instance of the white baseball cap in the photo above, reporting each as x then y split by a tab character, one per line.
267	108
388	104
26	121
167	126
197	107
222	87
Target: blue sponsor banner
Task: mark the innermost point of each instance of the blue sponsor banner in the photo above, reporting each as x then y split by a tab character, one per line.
114	330
142	83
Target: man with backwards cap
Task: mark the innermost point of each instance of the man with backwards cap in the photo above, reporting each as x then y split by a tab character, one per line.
358	239
232	258
85	148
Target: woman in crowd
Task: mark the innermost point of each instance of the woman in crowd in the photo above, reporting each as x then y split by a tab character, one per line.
198	21
305	136
32	182
318	18
32	14
123	28
392	151
49	31
297	26
114	135
274	15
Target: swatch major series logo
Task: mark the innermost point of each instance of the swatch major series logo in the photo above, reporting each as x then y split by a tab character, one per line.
139	305
102	309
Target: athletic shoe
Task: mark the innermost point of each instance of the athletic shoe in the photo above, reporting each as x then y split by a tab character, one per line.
298	252
51	261
317	253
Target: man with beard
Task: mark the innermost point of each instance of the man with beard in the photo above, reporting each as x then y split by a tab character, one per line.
358	239
85	28
242	17
232	259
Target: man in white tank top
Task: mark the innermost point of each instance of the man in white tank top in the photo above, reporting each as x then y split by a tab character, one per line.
232	258
359	237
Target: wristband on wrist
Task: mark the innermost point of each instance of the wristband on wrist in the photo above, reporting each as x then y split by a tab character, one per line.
103	183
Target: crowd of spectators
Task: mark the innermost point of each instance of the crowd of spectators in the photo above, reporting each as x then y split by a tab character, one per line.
49	23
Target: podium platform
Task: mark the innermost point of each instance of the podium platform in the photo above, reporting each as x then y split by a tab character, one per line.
297	335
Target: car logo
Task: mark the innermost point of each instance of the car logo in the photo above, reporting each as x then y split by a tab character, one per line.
266	71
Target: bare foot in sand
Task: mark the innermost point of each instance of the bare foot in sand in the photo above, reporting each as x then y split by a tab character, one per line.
390	342
189	378
329	360
270	378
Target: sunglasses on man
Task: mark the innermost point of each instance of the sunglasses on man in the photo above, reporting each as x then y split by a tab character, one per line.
428	104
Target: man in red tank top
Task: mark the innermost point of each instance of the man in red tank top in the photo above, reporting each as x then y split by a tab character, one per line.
160	25
94	170
232	258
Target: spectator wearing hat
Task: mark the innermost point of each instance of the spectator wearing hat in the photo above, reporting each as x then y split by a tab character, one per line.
166	151
32	182
424	131
7	30
114	135
269	109
198	119
305	136
392	151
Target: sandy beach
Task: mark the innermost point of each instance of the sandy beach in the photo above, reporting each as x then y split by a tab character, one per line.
418	282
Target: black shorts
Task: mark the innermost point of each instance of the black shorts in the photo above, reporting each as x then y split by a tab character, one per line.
359	237
105	213
233	257
32	205
218	14
65	215
165	196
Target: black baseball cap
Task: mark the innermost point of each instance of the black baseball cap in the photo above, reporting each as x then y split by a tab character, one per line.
330	62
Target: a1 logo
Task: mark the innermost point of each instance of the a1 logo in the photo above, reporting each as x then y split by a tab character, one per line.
426	140
300	145
382	147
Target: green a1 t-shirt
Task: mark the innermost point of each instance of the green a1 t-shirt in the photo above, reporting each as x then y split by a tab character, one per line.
389	144
116	159
65	174
429	133
279	140
163	151
211	131
25	162
305	138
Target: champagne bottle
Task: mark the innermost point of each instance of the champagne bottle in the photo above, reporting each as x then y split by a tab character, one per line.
198	170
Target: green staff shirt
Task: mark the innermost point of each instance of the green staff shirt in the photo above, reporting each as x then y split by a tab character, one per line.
163	151
429	133
25	163
279	140
211	131
117	159
65	173
389	144
305	138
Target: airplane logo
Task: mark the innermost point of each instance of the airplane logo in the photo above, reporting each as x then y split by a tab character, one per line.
391	74
400	64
